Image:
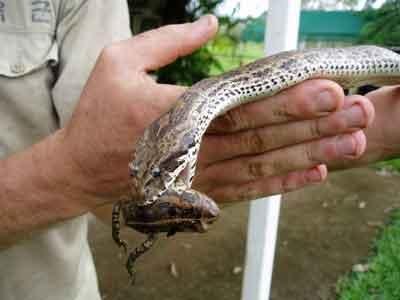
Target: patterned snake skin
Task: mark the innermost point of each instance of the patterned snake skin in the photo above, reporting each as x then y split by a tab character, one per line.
164	160
166	155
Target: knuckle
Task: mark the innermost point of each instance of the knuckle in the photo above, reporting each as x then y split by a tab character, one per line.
254	141
244	195
237	118
292	182
315	128
287	186
278	166
249	193
337	124
231	120
110	52
256	170
284	110
280	187
145	36
309	153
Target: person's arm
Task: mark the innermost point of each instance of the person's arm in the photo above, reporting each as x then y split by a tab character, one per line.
38	188
33	191
85	164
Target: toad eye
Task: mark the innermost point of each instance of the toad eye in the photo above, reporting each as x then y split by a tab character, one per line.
155	172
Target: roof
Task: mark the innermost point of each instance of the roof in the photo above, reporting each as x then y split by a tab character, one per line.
330	24
315	25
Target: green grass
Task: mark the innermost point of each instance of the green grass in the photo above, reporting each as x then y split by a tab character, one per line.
393	164
231	56
382	280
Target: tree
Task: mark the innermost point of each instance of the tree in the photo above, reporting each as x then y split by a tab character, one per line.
382	25
154	13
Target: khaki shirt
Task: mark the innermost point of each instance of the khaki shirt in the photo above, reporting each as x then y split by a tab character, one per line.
47	50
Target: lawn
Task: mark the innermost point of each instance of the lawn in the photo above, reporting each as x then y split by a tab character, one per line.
393	165
231	56
382	279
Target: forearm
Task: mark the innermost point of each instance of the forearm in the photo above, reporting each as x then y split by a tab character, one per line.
35	191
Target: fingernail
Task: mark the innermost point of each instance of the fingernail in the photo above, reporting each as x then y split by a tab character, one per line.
346	145
313	175
355	115
205	20
325	102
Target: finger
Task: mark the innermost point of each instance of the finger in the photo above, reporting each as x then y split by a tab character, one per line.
382	134
299	157
270	185
364	103
156	98
159	47
170	90
311	99
358	114
165	95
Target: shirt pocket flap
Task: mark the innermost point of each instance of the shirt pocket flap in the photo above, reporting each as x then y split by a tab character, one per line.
25	52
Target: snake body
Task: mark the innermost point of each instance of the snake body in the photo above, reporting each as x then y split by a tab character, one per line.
164	160
166	155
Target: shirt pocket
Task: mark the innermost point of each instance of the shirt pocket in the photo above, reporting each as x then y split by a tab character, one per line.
27	36
25	52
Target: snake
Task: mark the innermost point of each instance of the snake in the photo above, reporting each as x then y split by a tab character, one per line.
163	164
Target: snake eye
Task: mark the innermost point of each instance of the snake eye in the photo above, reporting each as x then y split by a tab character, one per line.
155	172
134	169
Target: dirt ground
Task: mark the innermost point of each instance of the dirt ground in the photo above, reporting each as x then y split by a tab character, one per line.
324	231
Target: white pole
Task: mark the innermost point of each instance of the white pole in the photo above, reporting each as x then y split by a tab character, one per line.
282	34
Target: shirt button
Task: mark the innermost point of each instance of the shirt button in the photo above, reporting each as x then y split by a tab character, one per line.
17	68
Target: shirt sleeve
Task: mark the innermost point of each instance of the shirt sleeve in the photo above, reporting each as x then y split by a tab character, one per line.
84	28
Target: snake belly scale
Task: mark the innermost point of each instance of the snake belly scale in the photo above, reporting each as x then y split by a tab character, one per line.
164	160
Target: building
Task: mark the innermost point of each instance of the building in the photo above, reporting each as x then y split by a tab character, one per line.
317	28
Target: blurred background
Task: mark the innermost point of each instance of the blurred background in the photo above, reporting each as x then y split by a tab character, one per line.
340	240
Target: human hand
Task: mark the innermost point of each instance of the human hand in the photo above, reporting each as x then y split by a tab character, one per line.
120	100
383	137
281	143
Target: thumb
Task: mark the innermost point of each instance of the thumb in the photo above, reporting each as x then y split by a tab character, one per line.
164	96
159	47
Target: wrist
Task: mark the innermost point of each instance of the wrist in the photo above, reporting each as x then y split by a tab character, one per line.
61	174
37	189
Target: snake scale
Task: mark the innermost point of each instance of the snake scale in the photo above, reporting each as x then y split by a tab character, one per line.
164	160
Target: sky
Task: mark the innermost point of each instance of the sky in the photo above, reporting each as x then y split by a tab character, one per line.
253	8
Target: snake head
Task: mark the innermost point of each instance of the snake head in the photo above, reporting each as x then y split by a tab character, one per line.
154	171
